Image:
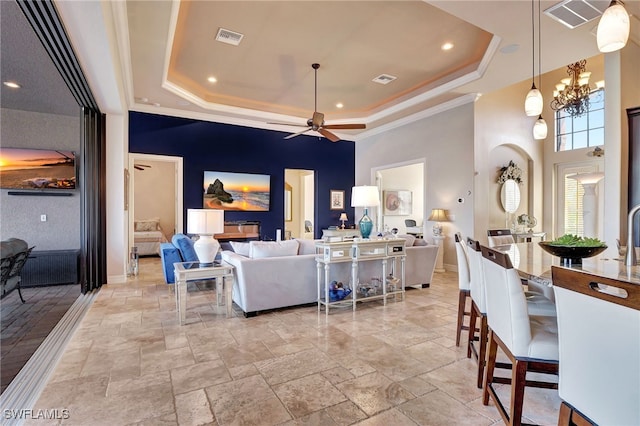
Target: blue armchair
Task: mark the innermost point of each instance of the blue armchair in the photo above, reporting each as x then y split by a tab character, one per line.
180	249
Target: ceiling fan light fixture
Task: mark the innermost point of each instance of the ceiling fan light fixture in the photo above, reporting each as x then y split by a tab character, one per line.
613	29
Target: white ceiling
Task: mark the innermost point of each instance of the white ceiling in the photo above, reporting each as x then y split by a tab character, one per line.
165	50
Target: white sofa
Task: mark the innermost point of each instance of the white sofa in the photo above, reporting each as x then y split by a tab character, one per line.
276	280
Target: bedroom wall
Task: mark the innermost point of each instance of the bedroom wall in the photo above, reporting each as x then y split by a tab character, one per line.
228	148
154	194
21	214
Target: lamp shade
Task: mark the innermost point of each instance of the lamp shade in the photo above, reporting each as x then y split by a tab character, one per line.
533	102
343	216
613	29
540	129
205	221
365	196
438	215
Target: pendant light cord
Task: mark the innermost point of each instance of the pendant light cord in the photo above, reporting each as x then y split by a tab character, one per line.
539	50
533	44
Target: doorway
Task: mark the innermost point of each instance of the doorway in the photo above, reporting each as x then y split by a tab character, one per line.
155	191
408	179
299	196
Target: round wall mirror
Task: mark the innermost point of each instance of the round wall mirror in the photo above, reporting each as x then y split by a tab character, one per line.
510	196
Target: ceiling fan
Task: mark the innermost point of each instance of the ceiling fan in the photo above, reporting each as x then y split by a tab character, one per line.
141	166
316	122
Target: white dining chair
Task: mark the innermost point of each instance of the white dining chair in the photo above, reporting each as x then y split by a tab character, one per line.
499	237
530	342
599	340
463	286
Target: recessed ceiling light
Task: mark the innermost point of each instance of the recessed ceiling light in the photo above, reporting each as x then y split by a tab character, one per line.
339	105
447	46
212	79
12	84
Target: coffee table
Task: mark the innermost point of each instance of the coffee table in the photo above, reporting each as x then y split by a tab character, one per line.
221	272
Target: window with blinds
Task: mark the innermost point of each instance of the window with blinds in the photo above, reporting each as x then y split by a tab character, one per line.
573	193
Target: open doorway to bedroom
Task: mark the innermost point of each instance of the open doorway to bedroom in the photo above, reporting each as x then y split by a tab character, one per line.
155	201
299	203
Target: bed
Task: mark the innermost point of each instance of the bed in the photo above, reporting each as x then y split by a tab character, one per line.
147	236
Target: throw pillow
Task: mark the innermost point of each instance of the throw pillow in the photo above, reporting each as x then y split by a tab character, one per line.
185	245
420	242
410	239
306	246
243	249
262	249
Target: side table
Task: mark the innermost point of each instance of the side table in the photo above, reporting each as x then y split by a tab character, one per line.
221	272
439	240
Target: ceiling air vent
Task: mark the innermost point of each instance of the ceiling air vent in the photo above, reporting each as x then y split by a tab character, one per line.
229	37
574	13
384	79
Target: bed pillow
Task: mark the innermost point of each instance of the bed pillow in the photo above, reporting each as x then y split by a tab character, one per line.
262	249
146	225
240	248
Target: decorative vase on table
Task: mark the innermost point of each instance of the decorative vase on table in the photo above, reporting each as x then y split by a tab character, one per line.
365	224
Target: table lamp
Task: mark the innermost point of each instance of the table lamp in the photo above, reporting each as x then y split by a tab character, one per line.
343	219
365	196
438	215
205	223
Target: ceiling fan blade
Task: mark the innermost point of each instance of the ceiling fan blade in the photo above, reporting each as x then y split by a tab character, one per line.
327	134
287	124
318	119
293	135
345	126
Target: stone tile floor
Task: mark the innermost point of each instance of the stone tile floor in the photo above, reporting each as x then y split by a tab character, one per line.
23	326
130	363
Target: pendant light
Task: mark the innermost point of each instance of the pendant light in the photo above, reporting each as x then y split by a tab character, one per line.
533	101
613	29
540	127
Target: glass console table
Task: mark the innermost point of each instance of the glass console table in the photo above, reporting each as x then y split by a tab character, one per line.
387	252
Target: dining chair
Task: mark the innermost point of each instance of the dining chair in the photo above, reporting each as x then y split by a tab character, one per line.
598	329
537	304
463	285
530	342
498	237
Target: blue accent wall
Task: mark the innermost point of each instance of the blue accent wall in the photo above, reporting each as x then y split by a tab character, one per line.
227	148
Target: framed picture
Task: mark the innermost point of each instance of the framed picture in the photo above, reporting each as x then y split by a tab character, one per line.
397	203
337	199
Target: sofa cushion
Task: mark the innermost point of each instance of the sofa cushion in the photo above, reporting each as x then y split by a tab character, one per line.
262	249
420	242
241	248
306	246
410	239
185	245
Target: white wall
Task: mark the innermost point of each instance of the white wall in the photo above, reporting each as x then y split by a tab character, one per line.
446	141
21	214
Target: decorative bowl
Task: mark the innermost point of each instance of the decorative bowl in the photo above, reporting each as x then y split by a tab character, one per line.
575	254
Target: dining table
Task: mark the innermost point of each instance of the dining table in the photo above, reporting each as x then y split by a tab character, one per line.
534	264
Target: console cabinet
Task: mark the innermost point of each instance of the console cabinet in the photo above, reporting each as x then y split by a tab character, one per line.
390	255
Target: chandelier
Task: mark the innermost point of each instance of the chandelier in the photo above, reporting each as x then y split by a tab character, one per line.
572	93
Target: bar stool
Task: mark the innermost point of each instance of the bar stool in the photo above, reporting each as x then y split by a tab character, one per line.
530	342
598	329
463	285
